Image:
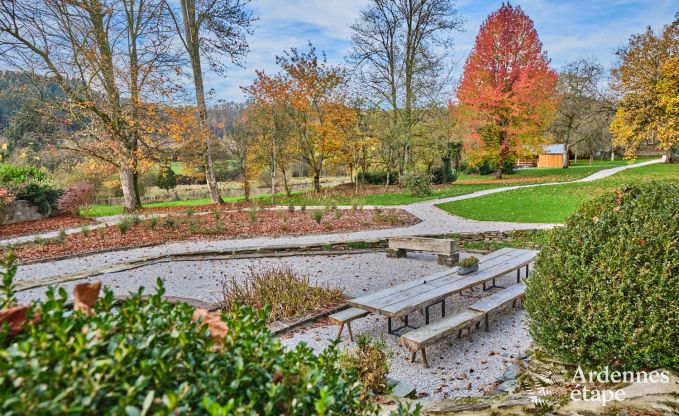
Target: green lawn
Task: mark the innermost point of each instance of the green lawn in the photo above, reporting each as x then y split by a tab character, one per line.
550	204
400	197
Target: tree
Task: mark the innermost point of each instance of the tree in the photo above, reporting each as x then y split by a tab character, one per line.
507	89
211	30
578	90
646	79
73	44
400	49
317	93
166	177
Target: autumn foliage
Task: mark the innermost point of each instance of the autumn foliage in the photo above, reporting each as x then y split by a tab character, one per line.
508	92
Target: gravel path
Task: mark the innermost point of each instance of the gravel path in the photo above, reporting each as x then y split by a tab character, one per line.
458	366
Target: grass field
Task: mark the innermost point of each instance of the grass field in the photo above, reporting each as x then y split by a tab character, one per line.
466	184
551	204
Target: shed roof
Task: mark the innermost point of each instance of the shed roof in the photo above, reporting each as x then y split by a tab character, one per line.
554	149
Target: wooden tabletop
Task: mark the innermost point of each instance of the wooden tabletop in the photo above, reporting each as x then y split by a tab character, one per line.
405	298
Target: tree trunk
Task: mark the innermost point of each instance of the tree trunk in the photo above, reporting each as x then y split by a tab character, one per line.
317	182
286	185
137	193
127	185
669	156
193	45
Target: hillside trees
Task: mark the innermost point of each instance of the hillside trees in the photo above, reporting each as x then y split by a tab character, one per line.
507	88
400	51
210	30
646	80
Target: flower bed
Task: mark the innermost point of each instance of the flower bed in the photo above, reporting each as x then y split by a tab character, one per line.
134	232
43	225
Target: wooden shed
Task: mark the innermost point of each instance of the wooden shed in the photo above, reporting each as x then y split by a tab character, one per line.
552	156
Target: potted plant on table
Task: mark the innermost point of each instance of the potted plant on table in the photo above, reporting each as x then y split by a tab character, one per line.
468	265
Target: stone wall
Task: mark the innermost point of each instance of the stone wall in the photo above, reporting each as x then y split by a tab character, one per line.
20	211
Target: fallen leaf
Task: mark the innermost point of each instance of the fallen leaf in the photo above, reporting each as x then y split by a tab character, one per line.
85	295
213	320
16	316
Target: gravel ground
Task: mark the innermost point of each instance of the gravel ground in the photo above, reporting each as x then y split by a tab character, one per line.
458	366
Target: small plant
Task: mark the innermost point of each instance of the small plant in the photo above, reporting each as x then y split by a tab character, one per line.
170	223
153	222
192	227
101	232
286	292
369	362
135	219
218	215
317	215
85	230
354	207
303	208
37	239
61	237
9	269
357	245
189	213
291	208
338	214
253	214
469	262
418	183
124	225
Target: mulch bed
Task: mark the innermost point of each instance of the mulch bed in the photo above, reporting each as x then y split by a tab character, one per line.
201	227
43	225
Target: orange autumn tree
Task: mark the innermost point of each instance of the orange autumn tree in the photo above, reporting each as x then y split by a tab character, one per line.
317	92
269	121
508	92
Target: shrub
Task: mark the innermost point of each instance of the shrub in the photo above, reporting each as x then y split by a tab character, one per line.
369	362
18	175
76	197
166	179
418	183
443	175
317	215
252	213
376	178
61	237
604	288
170	223
42	196
152	357
286	292
85	230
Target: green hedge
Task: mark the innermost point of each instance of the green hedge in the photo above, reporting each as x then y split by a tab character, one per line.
605	288
150	357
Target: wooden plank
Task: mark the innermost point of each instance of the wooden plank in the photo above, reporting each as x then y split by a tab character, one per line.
438	245
347	315
484	261
497	300
412	303
429	334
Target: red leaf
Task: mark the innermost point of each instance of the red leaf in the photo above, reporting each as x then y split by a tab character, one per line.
86	295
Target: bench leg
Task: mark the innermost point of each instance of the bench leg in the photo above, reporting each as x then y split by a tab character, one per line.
396	253
514	303
351	336
411	359
424	358
526	271
518	275
478	324
487	323
341	327
443	308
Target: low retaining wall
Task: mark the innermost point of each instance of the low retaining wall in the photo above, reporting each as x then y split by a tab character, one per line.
20	211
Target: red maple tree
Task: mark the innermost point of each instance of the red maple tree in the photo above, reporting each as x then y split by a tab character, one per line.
508	91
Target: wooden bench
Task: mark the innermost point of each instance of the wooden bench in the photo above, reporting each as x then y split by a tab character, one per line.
420	338
498	300
445	248
345	317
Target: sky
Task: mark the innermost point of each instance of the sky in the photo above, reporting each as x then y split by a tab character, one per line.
568	30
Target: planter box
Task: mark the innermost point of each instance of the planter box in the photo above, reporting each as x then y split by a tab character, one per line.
462	270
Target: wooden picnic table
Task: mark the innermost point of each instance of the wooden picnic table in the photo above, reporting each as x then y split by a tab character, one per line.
420	294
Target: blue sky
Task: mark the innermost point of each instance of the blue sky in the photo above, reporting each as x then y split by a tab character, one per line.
568	30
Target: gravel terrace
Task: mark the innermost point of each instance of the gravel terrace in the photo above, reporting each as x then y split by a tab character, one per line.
458	366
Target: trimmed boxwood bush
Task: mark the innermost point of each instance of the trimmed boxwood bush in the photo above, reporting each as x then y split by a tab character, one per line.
605	288
150	357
